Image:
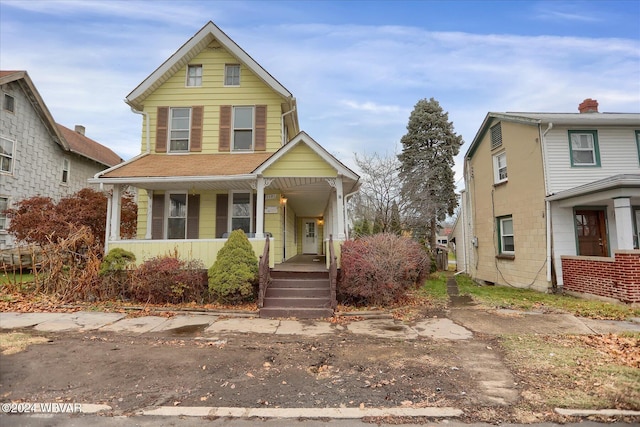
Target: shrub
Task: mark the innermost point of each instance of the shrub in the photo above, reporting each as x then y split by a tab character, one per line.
233	276
114	273
168	279
117	260
381	268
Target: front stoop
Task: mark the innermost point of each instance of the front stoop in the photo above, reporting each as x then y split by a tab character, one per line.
301	294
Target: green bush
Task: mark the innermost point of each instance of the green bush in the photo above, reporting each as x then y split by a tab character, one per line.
234	275
117	260
114	273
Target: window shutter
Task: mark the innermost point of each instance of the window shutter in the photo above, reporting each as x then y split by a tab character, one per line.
261	128
157	217
255	208
197	116
224	143
222	213
162	128
193	217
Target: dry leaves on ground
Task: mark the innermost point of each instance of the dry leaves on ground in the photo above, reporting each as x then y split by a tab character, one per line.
623	348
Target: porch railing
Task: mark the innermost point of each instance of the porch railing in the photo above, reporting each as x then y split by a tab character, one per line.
333	273
263	273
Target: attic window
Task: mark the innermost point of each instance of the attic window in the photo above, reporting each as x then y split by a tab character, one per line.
496	136
194	75
8	103
232	75
65	171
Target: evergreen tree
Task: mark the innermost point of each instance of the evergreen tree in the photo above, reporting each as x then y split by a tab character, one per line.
426	171
396	224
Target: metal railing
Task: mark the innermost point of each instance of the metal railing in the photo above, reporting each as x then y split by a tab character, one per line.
333	273
263	273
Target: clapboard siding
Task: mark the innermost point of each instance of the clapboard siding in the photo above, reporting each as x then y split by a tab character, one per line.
618	155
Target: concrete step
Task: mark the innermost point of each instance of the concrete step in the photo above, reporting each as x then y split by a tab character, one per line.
293	302
300	313
299	283
306	292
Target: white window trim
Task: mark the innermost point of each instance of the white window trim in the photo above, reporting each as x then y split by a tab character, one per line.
12	157
502	235
169	150
230	209
6	220
224	77
186	81
496	171
68	169
167	211
253	129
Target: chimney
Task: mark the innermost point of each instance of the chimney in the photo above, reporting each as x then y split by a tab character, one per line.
588	106
80	129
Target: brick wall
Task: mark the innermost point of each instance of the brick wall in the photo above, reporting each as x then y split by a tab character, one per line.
617	277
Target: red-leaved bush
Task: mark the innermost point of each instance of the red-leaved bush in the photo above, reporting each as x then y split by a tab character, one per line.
381	268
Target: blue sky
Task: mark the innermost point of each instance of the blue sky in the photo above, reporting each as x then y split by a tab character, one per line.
357	68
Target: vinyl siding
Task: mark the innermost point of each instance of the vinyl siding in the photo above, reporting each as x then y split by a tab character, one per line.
301	161
618	155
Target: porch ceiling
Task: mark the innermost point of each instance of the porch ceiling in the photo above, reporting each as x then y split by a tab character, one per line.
308	197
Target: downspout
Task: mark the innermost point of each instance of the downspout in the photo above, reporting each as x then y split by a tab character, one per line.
146	122
284	136
346	200
546	192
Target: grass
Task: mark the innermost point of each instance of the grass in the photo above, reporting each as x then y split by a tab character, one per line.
15	277
525	299
15	342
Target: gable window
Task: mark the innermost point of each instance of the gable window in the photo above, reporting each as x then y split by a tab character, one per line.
232	75
496	136
177	217
4	204
8	103
242	128
500	168
194	75
505	235
65	170
241	211
6	155
583	147
179	134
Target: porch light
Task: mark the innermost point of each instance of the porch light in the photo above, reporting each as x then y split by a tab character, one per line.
283	200
321	222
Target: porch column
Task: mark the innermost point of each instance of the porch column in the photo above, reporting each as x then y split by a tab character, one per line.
147	234
260	208
340	206
115	213
624	222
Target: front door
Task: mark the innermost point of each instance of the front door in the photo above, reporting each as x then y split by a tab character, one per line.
310	239
591	231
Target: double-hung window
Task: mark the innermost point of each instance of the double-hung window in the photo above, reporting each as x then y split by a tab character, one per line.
180	127
65	170
241	211
500	168
194	75
505	235
583	147
6	155
4	204
232	75
177	218
243	128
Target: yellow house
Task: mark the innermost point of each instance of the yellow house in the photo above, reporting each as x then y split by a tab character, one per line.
222	150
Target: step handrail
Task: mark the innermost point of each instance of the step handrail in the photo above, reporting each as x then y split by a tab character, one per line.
333	273
264	276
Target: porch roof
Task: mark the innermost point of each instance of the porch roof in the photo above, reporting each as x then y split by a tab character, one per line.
623	185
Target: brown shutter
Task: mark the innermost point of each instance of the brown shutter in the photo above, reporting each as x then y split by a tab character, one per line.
197	114
222	212
162	128
255	208
224	144
157	217
193	217
261	128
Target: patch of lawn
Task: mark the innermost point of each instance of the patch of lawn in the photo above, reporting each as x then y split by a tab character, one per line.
526	299
15	342
15	277
435	288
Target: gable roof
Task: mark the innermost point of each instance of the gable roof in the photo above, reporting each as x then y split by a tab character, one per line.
87	147
564	119
188	51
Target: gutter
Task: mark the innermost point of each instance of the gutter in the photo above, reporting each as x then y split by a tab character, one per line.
146	121
284	136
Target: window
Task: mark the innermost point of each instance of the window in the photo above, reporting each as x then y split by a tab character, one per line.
4	204
177	218
583	146
500	168
8	103
232	75
505	235
180	124
241	212
65	170
496	136
638	143
6	155
194	75
242	128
